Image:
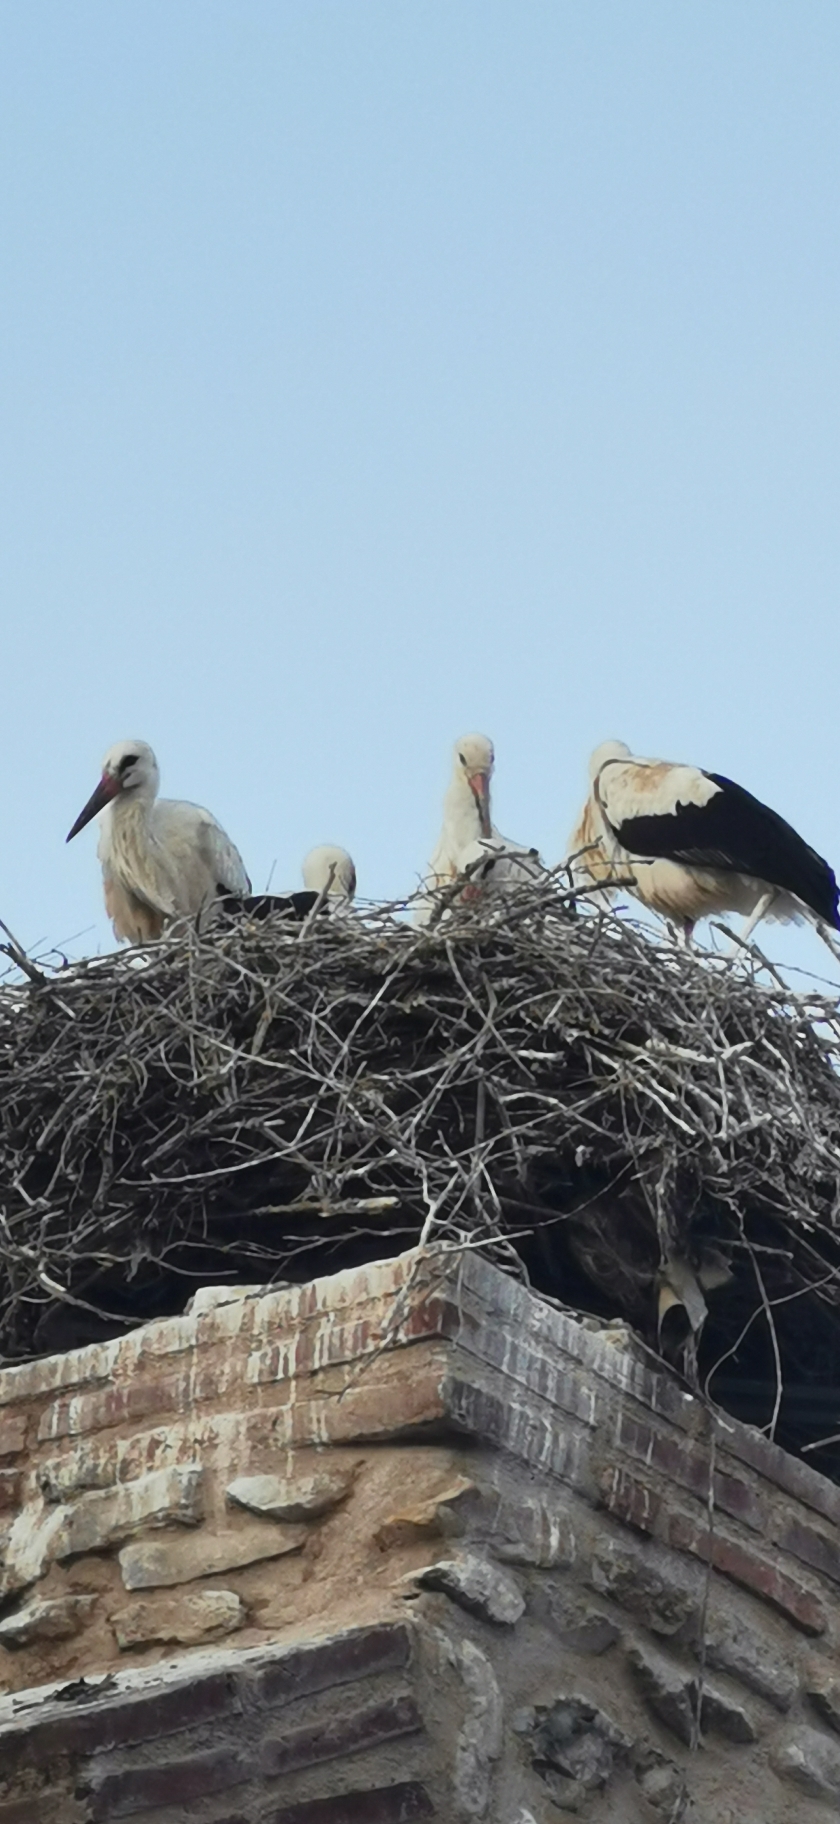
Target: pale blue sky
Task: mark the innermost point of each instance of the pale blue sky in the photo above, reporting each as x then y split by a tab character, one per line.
374	372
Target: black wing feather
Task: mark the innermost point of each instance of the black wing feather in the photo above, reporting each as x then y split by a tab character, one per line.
736	834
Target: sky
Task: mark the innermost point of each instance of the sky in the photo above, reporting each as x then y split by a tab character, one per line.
371	373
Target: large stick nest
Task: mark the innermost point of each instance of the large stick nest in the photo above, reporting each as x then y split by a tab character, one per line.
628	1125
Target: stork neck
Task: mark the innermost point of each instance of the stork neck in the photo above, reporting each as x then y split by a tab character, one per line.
461	815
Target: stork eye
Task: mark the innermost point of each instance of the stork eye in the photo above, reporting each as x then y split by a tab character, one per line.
127	761
462	760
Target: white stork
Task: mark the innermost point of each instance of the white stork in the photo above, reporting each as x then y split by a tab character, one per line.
469	839
694	843
161	858
328	869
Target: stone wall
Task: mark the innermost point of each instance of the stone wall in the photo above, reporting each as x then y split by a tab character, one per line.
405	1543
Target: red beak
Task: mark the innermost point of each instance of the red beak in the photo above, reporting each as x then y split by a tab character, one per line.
479	785
107	789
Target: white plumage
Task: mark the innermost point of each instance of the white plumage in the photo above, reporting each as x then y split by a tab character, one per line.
329	869
161	858
468	838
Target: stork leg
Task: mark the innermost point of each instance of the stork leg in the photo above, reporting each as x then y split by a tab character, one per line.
829	939
759	911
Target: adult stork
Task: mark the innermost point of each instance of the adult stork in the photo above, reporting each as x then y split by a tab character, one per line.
330	870
469	840
695	843
161	858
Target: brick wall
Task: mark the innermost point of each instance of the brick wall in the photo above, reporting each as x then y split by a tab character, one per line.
398	1544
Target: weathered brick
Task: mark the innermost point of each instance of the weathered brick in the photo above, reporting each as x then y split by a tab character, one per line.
120	1722
400	1804
685	1460
13	1429
234	1435
527	1427
31	1380
365	1726
630	1500
371	1410
780	1469
114	1405
341	1660
117	1795
748	1568
811	1547
167	1336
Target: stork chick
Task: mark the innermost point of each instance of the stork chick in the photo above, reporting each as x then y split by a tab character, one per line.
161	858
695	843
329	869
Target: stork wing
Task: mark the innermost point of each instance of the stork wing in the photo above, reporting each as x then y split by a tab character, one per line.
733	832
221	856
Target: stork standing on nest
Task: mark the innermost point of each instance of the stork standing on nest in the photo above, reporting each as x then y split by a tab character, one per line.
469	839
161	858
330	870
694	843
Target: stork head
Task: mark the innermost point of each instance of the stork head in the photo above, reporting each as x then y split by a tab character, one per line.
474	760
329	868
128	766
608	750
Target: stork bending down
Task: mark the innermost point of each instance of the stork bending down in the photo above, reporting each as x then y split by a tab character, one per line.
161	858
695	843
469	839
330	870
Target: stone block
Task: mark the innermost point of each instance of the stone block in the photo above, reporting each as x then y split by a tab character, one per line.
30	1546
672	1695
445	1513
206	1554
301	1497
822	1684
810	1761
187	1619
651	1583
733	1646
58	1618
104	1518
477	1586
577	1627
480	1737
89	1466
